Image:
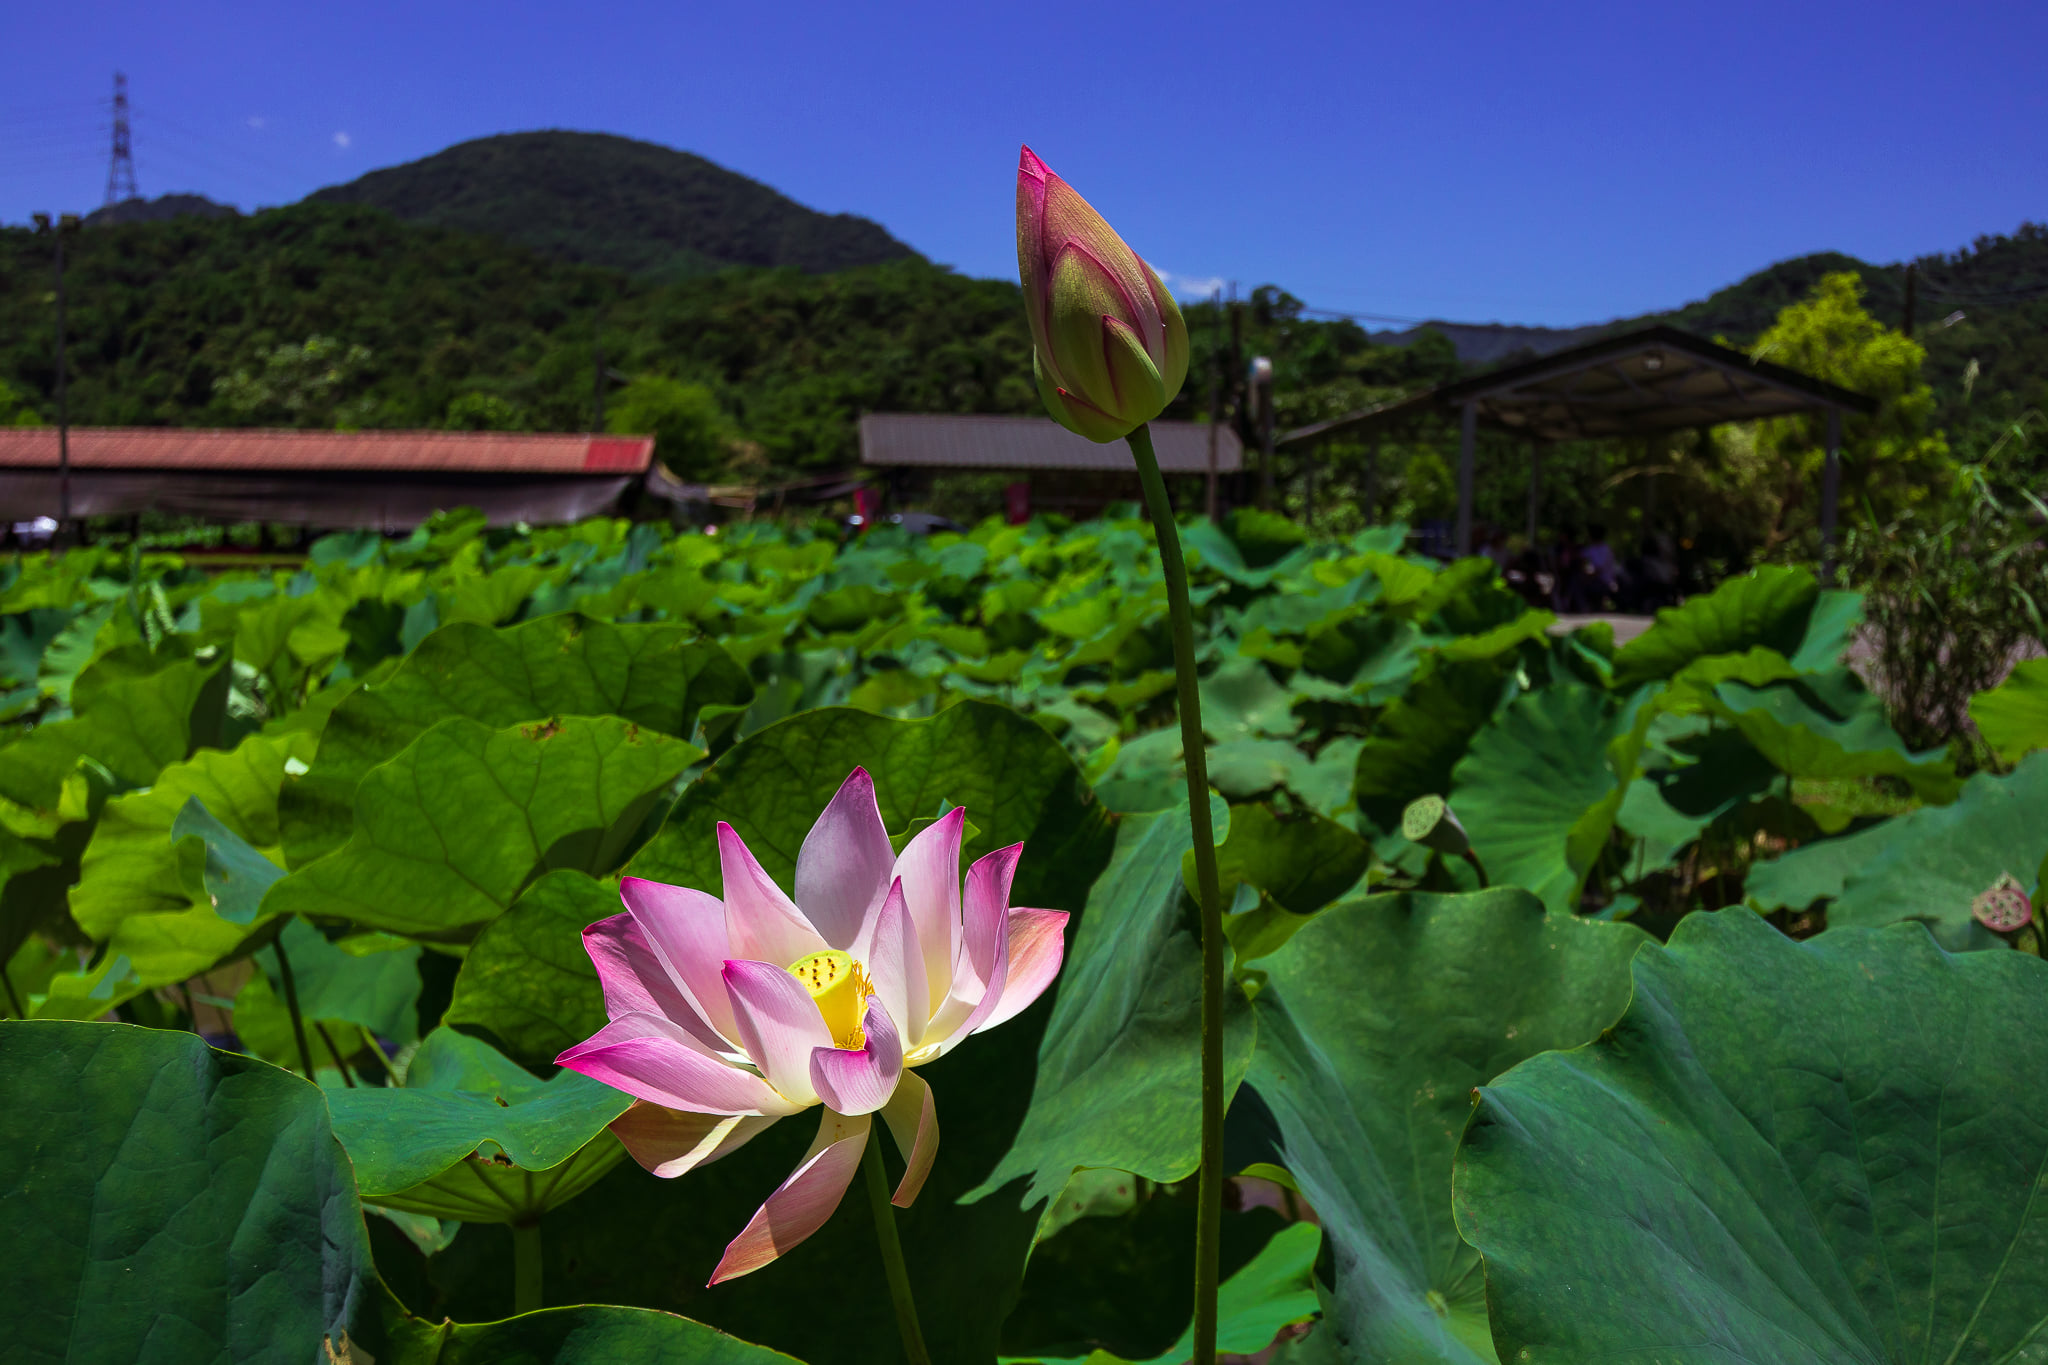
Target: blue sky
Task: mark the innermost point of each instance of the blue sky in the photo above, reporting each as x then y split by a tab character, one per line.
1524	163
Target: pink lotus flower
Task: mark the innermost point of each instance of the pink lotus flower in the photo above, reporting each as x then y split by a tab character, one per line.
1108	344
728	1016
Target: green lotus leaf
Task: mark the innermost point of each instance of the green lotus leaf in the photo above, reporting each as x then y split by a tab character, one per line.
2013	716
1375	1022
450	831
1240	700
1418	741
1530	778
588	1334
656	676
527	982
473	1135
141	1157
142	885
1771	606
1118	1080
135	715
1274	1290
1828	1151
1802	738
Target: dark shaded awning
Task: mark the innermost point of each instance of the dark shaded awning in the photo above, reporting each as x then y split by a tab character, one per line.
1650	380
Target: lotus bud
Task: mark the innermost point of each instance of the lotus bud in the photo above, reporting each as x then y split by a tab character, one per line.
1108	344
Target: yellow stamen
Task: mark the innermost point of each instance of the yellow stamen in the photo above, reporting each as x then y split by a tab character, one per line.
841	988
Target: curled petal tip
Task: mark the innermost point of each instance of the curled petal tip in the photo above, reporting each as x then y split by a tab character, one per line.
1029	164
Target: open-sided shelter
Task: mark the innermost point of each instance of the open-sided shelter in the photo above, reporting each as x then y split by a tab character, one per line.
381	480
1636	383
1065	472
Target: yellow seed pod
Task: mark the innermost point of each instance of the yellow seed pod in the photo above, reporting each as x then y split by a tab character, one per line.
841	989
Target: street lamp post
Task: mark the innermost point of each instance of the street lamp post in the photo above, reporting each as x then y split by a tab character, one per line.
67	225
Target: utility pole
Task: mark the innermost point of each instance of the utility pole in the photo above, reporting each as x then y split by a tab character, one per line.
1260	382
597	372
1234	371
67	225
121	167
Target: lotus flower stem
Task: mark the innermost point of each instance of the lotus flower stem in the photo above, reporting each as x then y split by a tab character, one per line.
291	1004
526	1265
892	1256
1209	1215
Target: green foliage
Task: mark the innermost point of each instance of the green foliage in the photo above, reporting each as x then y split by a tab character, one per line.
316	384
139	1156
458	741
2013	717
15	410
1866	1108
691	434
1888	460
616	202
1375	1022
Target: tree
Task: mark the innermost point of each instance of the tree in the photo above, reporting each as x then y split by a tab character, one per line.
485	412
15	410
317	384
1890	460
692	434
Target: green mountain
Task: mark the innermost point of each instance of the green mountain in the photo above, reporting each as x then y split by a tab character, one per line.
596	199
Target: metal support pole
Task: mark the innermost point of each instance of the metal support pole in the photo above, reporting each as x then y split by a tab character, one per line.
1215	431
597	373
1830	492
64	226
1468	439
1535	487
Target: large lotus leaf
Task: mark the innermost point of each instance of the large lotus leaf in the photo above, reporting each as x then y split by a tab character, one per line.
654	675
2013	716
1015	780
466	1114
1417	742
1274	1290
133	724
141	888
1829	1151
1936	860
588	1334
965	1261
1244	768
1830	630
1302	861
1529	779
1119	1081
1770	606
1376	1021
1818	871
1377	653
527	981
1802	739
375	988
1240	700
450	831
166	1202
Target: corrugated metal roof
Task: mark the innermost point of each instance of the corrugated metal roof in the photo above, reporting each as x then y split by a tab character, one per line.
395	452
938	441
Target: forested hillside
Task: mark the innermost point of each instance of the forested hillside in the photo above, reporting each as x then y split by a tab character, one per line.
599	199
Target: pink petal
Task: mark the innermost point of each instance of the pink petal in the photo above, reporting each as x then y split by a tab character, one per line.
842	871
686	929
860	1082
762	924
914	1122
987	902
1037	944
896	968
636	981
800	1206
669	1142
652	1059
929	868
779	1025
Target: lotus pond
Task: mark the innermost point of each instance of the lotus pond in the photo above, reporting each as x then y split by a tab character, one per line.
1698	1020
